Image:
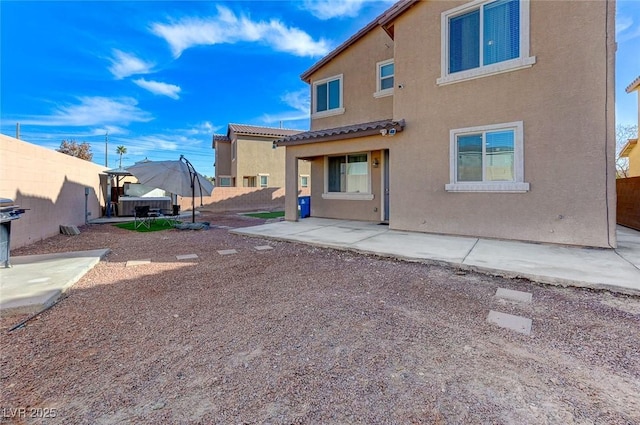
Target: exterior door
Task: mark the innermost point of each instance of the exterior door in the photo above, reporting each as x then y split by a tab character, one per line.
386	184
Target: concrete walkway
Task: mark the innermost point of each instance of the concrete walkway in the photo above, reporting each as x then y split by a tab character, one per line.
34	282
615	270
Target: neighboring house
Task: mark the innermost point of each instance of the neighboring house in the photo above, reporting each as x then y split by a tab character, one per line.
492	119
631	149
247	157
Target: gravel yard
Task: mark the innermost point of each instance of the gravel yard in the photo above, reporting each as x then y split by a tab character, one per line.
303	335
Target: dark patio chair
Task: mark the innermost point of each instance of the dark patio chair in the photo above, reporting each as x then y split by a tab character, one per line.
170	216
141	217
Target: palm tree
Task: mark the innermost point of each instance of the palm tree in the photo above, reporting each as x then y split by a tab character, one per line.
121	150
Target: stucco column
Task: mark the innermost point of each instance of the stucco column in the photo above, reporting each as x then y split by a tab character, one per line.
291	187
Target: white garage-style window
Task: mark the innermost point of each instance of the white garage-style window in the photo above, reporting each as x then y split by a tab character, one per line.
348	177
327	97
484	37
488	158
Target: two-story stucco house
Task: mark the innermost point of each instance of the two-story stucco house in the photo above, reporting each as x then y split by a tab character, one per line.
631	149
247	157
489	118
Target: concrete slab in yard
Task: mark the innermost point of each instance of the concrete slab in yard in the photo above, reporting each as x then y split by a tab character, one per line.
413	245
286	228
592	267
629	245
186	256
509	294
509	321
263	247
37	281
137	262
227	251
336	236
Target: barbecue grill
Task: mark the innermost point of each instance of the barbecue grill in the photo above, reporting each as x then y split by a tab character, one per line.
8	212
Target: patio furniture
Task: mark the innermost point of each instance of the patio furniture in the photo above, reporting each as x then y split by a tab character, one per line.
141	217
170	216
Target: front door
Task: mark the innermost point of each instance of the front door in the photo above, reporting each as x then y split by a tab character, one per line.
386	184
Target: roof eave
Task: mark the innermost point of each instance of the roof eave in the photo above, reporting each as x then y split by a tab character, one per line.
374	131
385	20
626	150
635	85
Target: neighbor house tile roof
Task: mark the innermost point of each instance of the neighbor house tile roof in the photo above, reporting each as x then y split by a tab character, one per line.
220	138
342	133
253	130
634	85
384	20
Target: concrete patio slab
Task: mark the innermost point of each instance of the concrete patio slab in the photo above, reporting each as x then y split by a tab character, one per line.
509	294
410	245
37	281
509	321
615	270
594	268
629	245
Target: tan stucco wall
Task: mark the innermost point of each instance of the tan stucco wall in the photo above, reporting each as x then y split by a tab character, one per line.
51	185
566	102
358	66
634	162
223	158
566	127
257	156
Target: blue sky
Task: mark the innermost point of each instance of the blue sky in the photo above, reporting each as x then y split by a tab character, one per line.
162	77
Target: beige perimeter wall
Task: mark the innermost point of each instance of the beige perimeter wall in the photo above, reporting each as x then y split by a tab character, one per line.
51	185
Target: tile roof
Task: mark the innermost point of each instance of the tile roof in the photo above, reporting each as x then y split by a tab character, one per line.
253	130
221	138
634	85
382	20
342	133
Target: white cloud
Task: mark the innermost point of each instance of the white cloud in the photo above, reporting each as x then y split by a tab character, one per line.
328	9
157	87
226	27
93	111
298	100
622	23
125	64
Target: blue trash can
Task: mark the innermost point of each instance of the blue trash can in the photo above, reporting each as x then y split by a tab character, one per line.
304	206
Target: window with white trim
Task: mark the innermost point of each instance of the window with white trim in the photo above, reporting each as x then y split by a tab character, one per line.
484	37
348	177
385	71
264	180
487	159
327	97
304	181
224	181
234	148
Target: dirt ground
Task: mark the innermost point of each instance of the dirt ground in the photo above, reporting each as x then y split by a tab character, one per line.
304	335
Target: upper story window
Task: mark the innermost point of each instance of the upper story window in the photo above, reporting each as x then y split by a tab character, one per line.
484	38
234	150
487	159
264	180
384	78
327	97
